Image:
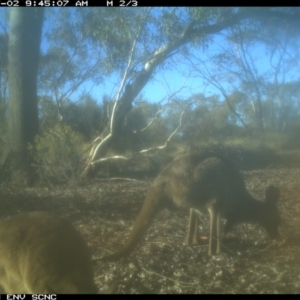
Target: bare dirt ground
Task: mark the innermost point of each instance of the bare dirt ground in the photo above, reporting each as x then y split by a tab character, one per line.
104	212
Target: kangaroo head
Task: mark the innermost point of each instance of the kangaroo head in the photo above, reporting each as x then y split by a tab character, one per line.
270	218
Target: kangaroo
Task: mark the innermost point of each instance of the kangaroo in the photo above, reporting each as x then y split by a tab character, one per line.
41	254
207	183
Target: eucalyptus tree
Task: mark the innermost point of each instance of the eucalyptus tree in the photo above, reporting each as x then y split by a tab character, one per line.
23	53
250	57
156	37
129	45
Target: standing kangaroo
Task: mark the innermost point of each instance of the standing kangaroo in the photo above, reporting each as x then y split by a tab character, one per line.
40	254
204	182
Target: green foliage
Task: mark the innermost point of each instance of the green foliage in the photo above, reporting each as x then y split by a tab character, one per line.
58	154
85	117
246	153
205	15
209	119
142	129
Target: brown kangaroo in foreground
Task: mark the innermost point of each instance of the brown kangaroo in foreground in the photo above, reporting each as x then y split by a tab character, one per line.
41	254
204	182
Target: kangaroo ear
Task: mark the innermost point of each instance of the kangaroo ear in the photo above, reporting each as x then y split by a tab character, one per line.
272	194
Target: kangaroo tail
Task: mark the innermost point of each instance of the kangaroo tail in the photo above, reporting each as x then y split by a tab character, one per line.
149	209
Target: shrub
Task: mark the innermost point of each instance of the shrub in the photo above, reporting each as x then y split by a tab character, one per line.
58	153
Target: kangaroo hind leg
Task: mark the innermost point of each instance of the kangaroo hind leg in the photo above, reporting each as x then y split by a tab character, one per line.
215	230
192	237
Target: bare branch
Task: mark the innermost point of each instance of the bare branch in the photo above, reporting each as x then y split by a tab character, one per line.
95	149
123	81
169	138
216	83
151	121
110	158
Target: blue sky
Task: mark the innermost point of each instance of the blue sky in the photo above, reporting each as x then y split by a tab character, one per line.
161	84
169	81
